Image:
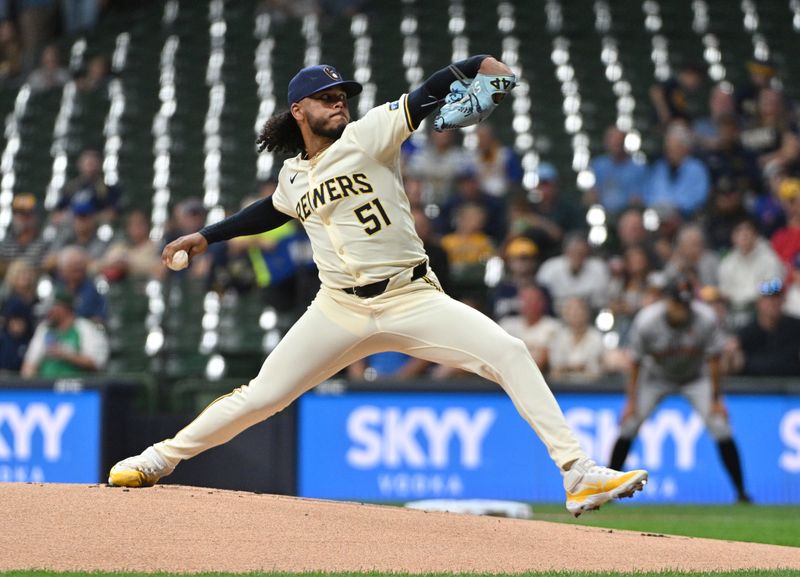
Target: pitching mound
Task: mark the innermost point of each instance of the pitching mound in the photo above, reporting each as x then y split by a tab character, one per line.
174	528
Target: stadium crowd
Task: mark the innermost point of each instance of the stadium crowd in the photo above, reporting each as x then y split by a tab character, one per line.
720	204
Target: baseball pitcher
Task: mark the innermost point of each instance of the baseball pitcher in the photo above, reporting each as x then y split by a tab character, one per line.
676	345
378	292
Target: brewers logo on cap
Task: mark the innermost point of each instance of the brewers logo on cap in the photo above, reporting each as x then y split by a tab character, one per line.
331	72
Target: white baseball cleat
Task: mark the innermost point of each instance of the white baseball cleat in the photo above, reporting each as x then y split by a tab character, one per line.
140	471
588	485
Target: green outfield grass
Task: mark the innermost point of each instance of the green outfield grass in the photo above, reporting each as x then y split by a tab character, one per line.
749	573
758	524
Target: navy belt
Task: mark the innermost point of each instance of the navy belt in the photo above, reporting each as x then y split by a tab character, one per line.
376	288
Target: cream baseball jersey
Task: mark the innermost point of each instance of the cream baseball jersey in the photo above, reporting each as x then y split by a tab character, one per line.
351	201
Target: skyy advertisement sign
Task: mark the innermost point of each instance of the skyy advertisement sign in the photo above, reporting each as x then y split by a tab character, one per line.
406	446
49	437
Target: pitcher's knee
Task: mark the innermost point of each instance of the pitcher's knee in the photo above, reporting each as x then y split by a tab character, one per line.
508	359
265	401
510	349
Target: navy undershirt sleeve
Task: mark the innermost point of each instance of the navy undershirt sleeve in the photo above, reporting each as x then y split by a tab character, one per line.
426	98
256	218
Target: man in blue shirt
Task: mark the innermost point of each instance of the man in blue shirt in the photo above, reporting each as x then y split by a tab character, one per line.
678	179
619	181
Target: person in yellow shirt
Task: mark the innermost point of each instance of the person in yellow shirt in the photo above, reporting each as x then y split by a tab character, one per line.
468	245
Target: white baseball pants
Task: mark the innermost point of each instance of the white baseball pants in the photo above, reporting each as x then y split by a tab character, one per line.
338	329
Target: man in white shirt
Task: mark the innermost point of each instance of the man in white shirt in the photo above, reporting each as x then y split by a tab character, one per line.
533	325
751	261
575	274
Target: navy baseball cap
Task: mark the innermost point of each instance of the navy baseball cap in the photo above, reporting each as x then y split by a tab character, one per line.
315	78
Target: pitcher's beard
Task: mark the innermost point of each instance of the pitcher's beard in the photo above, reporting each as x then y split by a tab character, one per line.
319	129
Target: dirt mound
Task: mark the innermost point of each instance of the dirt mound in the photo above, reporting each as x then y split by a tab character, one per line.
174	528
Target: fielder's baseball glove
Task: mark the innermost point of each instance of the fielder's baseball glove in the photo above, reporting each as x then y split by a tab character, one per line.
471	100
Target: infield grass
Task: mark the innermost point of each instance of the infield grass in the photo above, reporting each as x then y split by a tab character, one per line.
744	573
776	525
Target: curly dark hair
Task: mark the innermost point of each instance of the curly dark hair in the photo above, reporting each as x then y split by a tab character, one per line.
281	133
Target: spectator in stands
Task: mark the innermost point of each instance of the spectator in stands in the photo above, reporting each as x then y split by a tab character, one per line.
50	74
437	164
20	284
575	274
761	73
792	305
630	228
619	181
786	241
730	164
36	28
751	261
577	350
726	210
468	248
135	257
188	216
89	186
437	256
628	288
722	107
533	325
10	53
712	296
23	239
81	231
678	179
73	277
16	331
691	258
521	262
468	191
79	15
628	231
548	216
17	318
671	98
770	344
65	345
499	168
669	223
767	207
772	135
96	76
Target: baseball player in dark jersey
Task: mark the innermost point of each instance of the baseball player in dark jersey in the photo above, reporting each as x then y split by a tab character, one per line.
676	345
378	293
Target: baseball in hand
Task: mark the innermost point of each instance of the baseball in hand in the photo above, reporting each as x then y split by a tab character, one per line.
180	260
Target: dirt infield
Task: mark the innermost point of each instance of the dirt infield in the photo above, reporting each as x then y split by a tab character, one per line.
174	528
